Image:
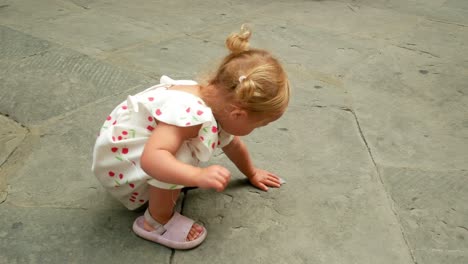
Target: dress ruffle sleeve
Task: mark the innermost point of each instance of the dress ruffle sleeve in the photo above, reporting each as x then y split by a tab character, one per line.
183	110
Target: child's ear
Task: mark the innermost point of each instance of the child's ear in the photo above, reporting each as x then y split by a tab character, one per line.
238	113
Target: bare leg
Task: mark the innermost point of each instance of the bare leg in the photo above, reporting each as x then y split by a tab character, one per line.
161	208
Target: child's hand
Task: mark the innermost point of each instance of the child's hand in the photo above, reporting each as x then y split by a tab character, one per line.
263	179
215	176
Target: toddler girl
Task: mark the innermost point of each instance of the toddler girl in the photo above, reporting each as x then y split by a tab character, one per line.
151	144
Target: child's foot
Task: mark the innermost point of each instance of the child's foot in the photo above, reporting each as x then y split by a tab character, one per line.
194	233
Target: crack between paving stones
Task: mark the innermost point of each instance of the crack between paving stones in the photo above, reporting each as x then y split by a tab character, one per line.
12	152
434	169
446	22
7	116
389	198
417	50
80	5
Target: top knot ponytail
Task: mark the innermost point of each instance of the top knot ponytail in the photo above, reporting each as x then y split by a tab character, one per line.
239	42
251	79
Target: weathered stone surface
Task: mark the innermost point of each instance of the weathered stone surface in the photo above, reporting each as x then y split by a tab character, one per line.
166	58
54	235
433	206
341	18
412	108
11	135
46	80
441	257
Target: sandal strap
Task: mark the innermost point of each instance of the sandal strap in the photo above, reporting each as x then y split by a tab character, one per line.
178	227
158	228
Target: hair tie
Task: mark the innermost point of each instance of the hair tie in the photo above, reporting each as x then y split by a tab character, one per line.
241	78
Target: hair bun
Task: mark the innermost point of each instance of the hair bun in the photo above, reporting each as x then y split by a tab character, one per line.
239	42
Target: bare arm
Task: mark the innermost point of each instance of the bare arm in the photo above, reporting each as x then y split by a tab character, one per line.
237	152
158	160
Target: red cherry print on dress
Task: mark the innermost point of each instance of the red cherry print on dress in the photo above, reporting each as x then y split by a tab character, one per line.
109	118
150	118
187	124
150	128
124	133
199	112
187	110
214	129
121	176
132	185
199	102
133	197
135	193
151	99
114	149
219	142
119	137
158	111
115	122
142	201
202	138
111	173
124	150
213	145
124	107
113	139
132	200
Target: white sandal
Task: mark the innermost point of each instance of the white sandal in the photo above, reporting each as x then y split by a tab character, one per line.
172	235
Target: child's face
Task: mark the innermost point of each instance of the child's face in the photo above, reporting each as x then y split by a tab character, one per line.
241	123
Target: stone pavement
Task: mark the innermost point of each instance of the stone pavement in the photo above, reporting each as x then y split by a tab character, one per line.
374	146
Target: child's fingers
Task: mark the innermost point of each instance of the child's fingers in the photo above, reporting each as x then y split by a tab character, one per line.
280	180
262	186
274	179
272	183
219	187
221	183
225	172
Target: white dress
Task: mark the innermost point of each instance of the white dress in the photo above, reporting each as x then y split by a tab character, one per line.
118	148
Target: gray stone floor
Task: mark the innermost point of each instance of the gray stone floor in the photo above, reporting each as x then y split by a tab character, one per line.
374	146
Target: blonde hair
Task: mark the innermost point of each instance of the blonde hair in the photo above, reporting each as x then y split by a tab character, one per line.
253	78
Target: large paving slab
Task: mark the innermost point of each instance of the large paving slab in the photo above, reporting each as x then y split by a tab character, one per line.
323	213
48	235
412	107
452	12
193	53
41	80
341	18
433	206
138	21
410	7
